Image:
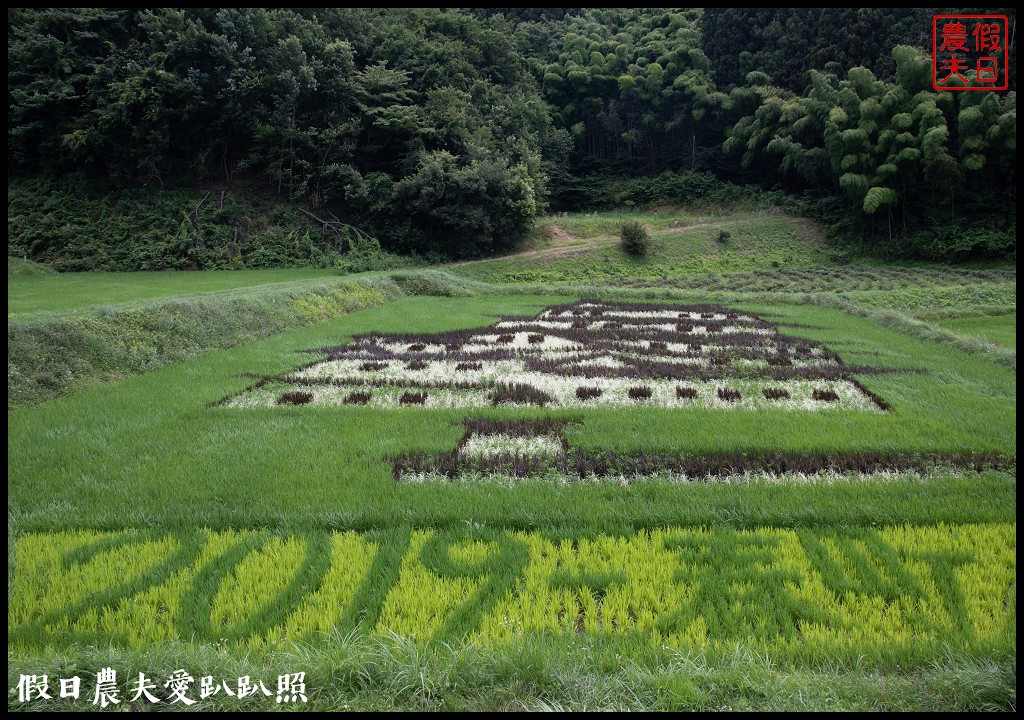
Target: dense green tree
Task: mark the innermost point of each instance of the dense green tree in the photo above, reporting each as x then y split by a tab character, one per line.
786	43
627	85
144	97
444	131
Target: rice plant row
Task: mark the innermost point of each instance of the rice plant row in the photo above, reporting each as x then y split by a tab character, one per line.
503	450
881	594
583	354
690	274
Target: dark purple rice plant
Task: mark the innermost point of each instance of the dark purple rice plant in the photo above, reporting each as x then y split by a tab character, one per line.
417	347
641	392
469	366
686	393
413	398
515	428
584	392
729	394
295	397
534	338
371	365
882	404
506	338
416	365
519	394
357	397
609	463
776	393
825	395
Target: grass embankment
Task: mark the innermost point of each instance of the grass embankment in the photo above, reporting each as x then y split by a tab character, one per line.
58	292
50	354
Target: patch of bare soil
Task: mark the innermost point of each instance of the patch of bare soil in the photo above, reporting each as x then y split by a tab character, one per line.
560	235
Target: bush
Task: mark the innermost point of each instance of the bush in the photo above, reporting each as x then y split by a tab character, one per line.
635	240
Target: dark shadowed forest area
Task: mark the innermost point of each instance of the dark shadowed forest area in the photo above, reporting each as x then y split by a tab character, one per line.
240	137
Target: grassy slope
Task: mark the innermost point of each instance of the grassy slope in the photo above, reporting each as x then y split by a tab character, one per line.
764	252
584	247
70	291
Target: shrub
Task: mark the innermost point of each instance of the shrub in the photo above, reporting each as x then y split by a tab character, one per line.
635	240
723	237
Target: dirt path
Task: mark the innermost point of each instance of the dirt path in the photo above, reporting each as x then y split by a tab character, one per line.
565	244
733	220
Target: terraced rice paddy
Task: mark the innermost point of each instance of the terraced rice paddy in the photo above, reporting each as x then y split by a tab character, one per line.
534	501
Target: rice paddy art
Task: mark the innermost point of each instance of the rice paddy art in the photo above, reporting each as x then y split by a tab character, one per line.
800	593
508	450
583	354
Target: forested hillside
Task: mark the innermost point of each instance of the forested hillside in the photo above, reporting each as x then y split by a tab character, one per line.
191	138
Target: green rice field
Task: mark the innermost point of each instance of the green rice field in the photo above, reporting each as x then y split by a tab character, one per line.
589	521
